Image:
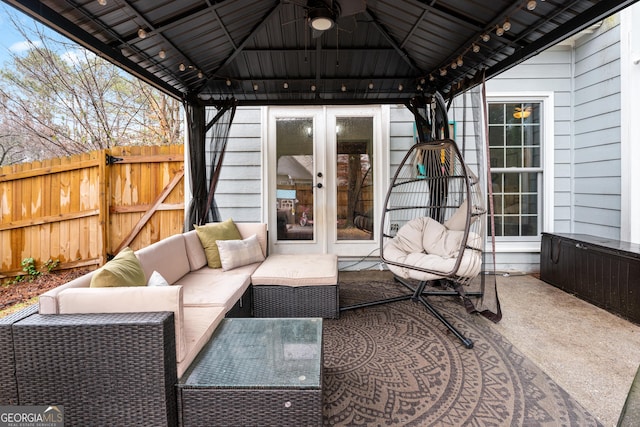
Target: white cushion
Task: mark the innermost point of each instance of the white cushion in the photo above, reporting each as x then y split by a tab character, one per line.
48	301
237	253
297	270
156	279
220	290
199	325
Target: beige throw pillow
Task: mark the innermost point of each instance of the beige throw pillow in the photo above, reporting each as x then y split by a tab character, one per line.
236	253
209	234
123	270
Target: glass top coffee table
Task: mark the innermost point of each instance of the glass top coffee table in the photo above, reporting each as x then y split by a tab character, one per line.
256	371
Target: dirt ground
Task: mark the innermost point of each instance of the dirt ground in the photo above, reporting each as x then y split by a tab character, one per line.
12	294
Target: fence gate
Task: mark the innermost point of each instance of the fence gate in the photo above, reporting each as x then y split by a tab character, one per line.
80	210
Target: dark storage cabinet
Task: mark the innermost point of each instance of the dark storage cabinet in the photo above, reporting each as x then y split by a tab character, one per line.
603	271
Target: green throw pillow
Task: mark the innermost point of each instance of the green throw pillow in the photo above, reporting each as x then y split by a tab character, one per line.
123	270
210	233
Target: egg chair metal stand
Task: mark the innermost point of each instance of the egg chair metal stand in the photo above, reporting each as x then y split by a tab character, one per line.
432	225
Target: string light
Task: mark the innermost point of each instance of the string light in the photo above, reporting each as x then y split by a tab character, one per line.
142	33
228	82
485	37
285	85
102	2
162	54
400	87
343	87
255	86
370	85
182	67
313	88
200	75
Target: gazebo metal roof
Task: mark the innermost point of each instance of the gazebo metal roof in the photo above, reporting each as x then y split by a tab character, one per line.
264	52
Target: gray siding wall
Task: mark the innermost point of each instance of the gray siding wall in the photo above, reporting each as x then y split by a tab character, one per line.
239	192
597	165
550	71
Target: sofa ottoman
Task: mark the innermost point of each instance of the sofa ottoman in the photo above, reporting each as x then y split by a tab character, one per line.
296	286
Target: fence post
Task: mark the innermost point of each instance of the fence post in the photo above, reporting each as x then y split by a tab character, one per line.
104	177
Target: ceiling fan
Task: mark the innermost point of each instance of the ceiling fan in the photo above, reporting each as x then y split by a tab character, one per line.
322	15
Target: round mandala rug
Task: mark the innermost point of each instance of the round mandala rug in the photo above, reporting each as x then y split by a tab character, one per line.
396	365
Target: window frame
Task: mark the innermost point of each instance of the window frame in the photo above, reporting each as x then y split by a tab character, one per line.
545	171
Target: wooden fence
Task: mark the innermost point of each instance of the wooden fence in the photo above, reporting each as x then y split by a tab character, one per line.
81	210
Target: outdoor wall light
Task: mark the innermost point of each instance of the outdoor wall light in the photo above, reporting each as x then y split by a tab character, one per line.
321	19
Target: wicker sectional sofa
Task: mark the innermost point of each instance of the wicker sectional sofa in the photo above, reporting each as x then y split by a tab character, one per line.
112	356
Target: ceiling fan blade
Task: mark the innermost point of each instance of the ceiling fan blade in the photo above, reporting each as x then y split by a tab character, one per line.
352	7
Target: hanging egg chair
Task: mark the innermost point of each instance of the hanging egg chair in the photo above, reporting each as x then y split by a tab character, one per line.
433	221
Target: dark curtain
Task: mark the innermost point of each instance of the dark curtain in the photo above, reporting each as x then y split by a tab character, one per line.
197	163
216	136
206	137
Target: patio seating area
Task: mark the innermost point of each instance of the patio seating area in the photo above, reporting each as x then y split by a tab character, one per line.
588	352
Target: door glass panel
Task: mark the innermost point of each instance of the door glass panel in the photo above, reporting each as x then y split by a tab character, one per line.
354	180
294	188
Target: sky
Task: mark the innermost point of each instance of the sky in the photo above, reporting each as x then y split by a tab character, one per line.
10	39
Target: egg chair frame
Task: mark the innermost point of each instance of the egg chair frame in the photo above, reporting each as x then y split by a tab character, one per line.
433	222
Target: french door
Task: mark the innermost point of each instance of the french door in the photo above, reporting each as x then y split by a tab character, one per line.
324	180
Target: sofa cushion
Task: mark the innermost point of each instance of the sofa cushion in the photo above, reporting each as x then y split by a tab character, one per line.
297	270
199	324
210	233
123	270
168	257
219	290
195	251
128	300
237	253
48	301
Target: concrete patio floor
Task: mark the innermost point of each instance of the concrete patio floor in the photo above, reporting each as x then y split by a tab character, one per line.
591	353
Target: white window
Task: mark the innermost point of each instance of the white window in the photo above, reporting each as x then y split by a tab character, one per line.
520	149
